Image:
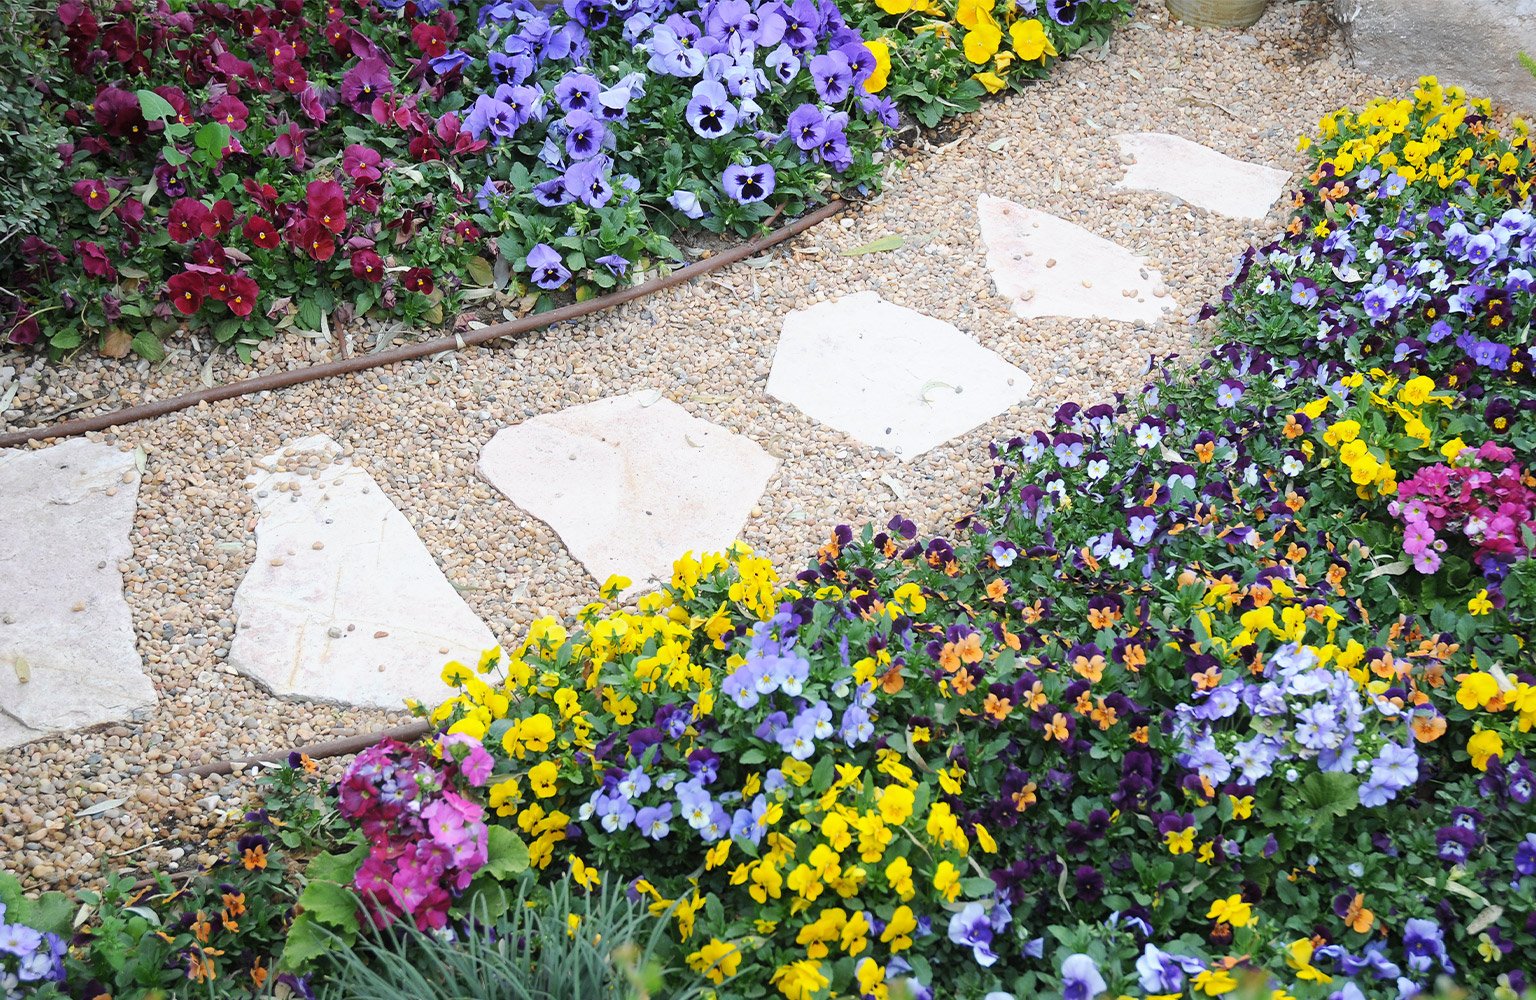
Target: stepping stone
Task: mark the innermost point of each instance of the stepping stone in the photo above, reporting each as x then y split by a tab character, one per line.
1050	267
630	483
1475	44
67	655
1200	176
344	603
895	379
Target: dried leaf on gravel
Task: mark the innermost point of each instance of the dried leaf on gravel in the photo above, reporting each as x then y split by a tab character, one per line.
881	245
99	808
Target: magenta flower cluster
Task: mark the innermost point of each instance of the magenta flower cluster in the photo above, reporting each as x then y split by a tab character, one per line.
1481	498
425	841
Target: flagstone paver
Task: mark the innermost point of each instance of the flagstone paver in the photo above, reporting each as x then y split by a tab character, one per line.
67	656
343	602
1199	175
1052	267
891	377
630	482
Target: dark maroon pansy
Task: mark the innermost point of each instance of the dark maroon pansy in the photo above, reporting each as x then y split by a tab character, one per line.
187	291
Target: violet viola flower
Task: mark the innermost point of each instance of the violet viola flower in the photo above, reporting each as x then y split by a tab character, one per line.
577	92
364	82
807	126
1080	978
802	22
710	111
584	136
587	182
749	183
1062	11
548	269
833	76
971	928
686	202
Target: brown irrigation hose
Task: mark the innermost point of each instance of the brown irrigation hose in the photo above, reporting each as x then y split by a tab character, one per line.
526	324
316	751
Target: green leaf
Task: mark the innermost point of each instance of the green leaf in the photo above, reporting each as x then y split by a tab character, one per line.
154	107
212	138
146	345
479	271
753	756
506	854
821	778
1330	794
881	245
486	900
338	868
307	941
330	904
173	156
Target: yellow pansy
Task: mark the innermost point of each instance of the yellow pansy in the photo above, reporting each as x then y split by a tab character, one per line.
1480	605
990	80
800	980
1231	910
542	778
1030	41
1483	746
1476	689
716	961
981	42
882	73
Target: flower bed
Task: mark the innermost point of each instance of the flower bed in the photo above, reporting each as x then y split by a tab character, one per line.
1222	690
946	56
256	168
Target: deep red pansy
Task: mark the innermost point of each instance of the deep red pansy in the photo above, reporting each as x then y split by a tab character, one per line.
187	219
94	193
309	236
187	291
260	232
325	202
94	260
367	265
241	297
419	279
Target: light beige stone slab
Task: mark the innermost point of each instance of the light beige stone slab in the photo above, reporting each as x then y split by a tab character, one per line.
1051	267
891	377
631	482
343	602
67	654
1199	175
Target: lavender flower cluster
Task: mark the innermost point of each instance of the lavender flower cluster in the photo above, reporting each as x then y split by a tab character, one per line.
28	958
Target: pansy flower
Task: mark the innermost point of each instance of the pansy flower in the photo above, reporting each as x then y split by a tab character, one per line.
748	183
545	265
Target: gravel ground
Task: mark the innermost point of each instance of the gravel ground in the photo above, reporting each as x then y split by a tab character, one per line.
709	345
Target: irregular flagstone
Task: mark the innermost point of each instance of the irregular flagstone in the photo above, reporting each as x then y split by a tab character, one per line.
1199	175
343	603
67	655
1051	267
630	483
1472	43
893	378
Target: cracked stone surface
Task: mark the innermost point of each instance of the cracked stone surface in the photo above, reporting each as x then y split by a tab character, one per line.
1199	175
891	377
1473	43
631	482
67	654
343	602
1051	267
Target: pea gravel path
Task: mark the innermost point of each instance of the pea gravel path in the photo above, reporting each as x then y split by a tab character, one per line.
419	428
